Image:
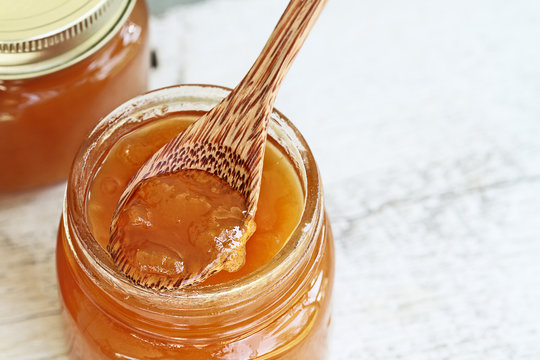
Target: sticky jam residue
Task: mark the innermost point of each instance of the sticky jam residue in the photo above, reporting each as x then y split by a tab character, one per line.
175	230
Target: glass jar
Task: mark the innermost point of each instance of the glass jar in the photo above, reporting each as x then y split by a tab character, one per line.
63	66
280	311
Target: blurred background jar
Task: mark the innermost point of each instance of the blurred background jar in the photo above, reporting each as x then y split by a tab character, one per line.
63	66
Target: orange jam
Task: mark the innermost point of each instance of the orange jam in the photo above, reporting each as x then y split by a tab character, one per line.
175	230
276	306
279	208
44	118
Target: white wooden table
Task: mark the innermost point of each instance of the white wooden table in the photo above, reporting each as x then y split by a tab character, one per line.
424	116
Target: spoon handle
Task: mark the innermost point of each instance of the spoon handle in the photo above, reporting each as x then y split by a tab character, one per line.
229	140
241	119
269	70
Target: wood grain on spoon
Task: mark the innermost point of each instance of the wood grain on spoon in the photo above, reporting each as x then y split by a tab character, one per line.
228	142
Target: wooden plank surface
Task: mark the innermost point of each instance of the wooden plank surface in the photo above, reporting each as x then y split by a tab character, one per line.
425	121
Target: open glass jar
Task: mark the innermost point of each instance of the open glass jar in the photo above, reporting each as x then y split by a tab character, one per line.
63	66
279	311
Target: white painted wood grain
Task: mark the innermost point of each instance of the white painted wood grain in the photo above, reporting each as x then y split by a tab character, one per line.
435	205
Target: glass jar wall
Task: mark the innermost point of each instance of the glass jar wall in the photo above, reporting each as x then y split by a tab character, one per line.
279	311
54	90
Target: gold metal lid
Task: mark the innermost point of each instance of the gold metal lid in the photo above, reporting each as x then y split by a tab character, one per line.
38	37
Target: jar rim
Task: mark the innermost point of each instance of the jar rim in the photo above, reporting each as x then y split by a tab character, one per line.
98	262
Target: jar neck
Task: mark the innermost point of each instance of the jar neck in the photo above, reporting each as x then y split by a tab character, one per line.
228	310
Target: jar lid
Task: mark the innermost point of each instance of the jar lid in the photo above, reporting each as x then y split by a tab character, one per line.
39	37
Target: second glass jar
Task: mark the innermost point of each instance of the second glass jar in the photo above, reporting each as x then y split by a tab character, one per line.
54	90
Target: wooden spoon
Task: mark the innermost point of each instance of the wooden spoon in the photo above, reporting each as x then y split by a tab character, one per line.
228	141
